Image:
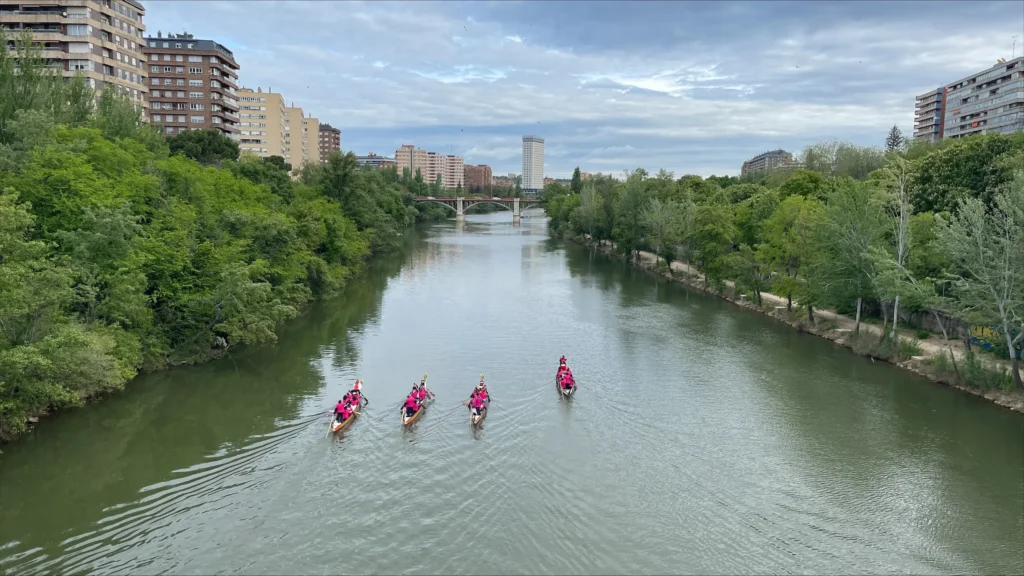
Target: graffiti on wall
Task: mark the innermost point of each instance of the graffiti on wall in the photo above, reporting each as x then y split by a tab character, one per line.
991	339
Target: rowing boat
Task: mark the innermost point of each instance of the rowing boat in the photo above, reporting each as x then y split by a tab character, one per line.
339	426
566	392
475	420
407	420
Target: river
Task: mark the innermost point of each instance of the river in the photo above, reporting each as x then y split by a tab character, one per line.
704	439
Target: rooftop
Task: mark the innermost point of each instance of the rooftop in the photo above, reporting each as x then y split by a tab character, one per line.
185	39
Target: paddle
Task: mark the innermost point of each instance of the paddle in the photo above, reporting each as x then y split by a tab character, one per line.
424	382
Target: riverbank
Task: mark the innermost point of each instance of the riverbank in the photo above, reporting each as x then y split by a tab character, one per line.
930	358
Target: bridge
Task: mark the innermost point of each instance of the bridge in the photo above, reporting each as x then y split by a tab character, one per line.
459	204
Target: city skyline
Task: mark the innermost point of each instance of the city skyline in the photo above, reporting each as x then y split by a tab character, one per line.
690	87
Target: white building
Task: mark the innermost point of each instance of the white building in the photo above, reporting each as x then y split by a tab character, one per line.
533	164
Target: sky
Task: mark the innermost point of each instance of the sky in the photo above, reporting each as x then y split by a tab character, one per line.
691	87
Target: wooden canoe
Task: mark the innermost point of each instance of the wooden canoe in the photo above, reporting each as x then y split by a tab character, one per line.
475	420
339	426
566	392
407	420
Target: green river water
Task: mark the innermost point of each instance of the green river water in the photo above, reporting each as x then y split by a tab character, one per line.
703	439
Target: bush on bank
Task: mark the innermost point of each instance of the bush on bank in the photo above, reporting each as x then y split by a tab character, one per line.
117	256
935	229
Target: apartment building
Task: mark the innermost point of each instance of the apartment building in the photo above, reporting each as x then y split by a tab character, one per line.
311	139
375	161
478	177
990	101
329	140
192	84
767	161
533	165
100	39
431	165
928	115
261	122
454	174
294	145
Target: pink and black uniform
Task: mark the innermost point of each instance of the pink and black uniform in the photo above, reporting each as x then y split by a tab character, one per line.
411	406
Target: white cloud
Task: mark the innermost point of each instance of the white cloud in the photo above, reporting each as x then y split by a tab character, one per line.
603	83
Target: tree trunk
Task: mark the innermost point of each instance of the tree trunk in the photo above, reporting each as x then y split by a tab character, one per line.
856	326
945	337
895	315
1014	363
810	314
885	320
789	302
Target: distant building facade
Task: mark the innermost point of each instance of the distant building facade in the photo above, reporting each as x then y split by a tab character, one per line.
533	164
375	161
328	140
928	115
192	84
767	161
478	177
430	165
991	101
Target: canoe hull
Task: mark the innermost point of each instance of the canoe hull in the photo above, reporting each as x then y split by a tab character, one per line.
476	420
339	426
409	420
565	392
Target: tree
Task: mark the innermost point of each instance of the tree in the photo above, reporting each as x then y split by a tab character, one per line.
897	178
804	183
972	167
629	231
576	186
204	146
987	245
588	215
787	245
852	224
661	222
894	141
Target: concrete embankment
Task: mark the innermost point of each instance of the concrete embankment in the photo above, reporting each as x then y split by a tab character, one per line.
827	324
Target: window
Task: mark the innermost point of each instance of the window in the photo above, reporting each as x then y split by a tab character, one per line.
169	130
181	119
167	81
179	58
167	45
79	47
180	94
167	69
79	30
195	95
197	119
167	57
214	84
190	45
179	69
195	58
153	44
83	65
156	117
195	70
154	68
195	83
155	82
177	44
197	106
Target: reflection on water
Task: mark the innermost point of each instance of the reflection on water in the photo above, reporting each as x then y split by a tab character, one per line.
703	439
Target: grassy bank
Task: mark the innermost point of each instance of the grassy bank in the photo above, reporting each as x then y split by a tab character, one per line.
942	361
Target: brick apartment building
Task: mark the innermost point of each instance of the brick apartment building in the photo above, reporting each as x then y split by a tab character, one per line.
192	84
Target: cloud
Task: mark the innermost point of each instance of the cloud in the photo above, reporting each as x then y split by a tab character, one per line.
691	87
